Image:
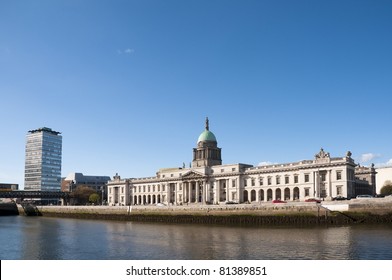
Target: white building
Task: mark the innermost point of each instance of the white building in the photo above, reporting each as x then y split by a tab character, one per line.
210	182
383	177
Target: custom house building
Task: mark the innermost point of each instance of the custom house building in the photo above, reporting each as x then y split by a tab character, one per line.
207	181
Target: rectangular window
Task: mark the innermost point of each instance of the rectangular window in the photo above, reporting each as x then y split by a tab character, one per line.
338	175
149	189
296	179
286	180
122	189
306	178
163	188
144	188
222	170
261	181
323	177
233	169
253	182
278	180
233	183
269	180
245	183
153	188
307	191
339	190
159	188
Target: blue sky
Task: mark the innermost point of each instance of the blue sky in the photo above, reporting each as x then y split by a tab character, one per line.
129	83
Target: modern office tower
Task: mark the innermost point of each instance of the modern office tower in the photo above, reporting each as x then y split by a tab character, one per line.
43	160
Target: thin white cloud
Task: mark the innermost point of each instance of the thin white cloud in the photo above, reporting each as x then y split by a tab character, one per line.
127	51
368	157
384	164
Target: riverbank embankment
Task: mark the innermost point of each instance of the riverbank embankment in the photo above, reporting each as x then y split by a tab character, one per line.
377	210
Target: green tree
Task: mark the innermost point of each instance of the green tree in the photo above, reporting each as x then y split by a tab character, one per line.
94	198
387	188
82	194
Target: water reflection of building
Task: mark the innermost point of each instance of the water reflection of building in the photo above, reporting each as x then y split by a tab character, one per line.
207	181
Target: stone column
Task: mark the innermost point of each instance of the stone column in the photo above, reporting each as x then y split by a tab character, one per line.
329	195
205	192
185	186
209	189
191	199
227	189
175	193
189	192
197	192
217	192
168	193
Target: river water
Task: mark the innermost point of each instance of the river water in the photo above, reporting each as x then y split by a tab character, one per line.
44	238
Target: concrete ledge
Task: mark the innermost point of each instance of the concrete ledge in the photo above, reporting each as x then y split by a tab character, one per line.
337	207
248	214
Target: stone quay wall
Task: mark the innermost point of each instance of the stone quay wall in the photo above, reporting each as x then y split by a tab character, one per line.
377	210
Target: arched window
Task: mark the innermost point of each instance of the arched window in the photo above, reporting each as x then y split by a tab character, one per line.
269	194
253	195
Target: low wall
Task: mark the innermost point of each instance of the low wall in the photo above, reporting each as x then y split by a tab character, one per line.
252	214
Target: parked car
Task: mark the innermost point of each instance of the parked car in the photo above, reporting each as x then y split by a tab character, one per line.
313	200
278	201
340	198
364	196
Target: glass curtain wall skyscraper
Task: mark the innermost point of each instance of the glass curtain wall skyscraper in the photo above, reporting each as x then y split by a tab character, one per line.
43	160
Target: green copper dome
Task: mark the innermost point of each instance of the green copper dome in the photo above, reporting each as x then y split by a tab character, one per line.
206	135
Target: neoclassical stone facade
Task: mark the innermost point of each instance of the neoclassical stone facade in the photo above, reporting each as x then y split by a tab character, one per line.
207	181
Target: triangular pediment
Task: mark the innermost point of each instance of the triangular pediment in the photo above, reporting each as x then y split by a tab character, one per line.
192	175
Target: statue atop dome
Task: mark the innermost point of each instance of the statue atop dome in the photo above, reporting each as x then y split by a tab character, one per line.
206	135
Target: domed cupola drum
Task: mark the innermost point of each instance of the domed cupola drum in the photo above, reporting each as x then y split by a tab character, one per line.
207	152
